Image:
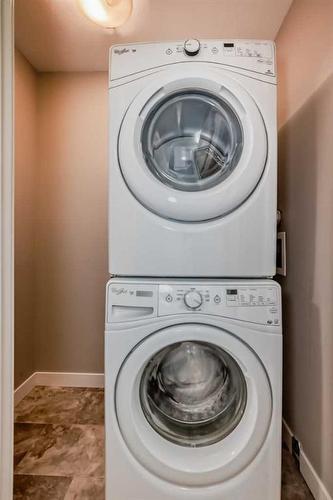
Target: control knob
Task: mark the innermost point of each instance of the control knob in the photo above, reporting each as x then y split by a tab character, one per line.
193	300
192	47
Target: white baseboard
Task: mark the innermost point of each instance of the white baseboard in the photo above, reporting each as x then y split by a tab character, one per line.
58	379
64	379
23	389
312	479
307	470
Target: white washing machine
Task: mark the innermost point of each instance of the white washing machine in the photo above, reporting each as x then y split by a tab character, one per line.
193	159
193	390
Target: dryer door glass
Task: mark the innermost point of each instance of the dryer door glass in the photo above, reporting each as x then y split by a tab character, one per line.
193	393
192	140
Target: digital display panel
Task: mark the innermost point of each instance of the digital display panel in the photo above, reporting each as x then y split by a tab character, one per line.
229	45
232	291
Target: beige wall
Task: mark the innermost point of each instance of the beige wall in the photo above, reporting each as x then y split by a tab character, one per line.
61	220
65	40
306	199
25	177
71	239
305	55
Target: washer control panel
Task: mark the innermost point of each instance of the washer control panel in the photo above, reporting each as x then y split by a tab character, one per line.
259	304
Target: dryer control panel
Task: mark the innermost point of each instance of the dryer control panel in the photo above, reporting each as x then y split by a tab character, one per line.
257	56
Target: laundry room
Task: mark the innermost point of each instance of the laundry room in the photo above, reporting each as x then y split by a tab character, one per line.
167	196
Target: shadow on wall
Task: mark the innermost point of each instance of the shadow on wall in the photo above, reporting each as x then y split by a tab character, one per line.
306	199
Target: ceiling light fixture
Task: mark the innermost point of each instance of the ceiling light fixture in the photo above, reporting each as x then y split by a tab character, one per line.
107	13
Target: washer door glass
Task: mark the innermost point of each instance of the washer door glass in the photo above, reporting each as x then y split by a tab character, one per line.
192	141
193	393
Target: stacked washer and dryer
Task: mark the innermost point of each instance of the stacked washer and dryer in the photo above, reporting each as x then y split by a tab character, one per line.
193	338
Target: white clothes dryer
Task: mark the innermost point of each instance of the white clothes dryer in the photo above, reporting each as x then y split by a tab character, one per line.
193	374
193	162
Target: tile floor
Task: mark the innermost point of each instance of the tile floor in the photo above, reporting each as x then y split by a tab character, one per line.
59	448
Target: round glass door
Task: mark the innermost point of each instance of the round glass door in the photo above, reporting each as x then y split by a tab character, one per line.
192	148
192	141
193	393
193	404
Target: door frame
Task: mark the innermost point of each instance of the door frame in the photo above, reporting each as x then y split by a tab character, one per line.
6	246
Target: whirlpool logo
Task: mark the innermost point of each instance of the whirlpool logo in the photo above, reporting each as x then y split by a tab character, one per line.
119	291
122	51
